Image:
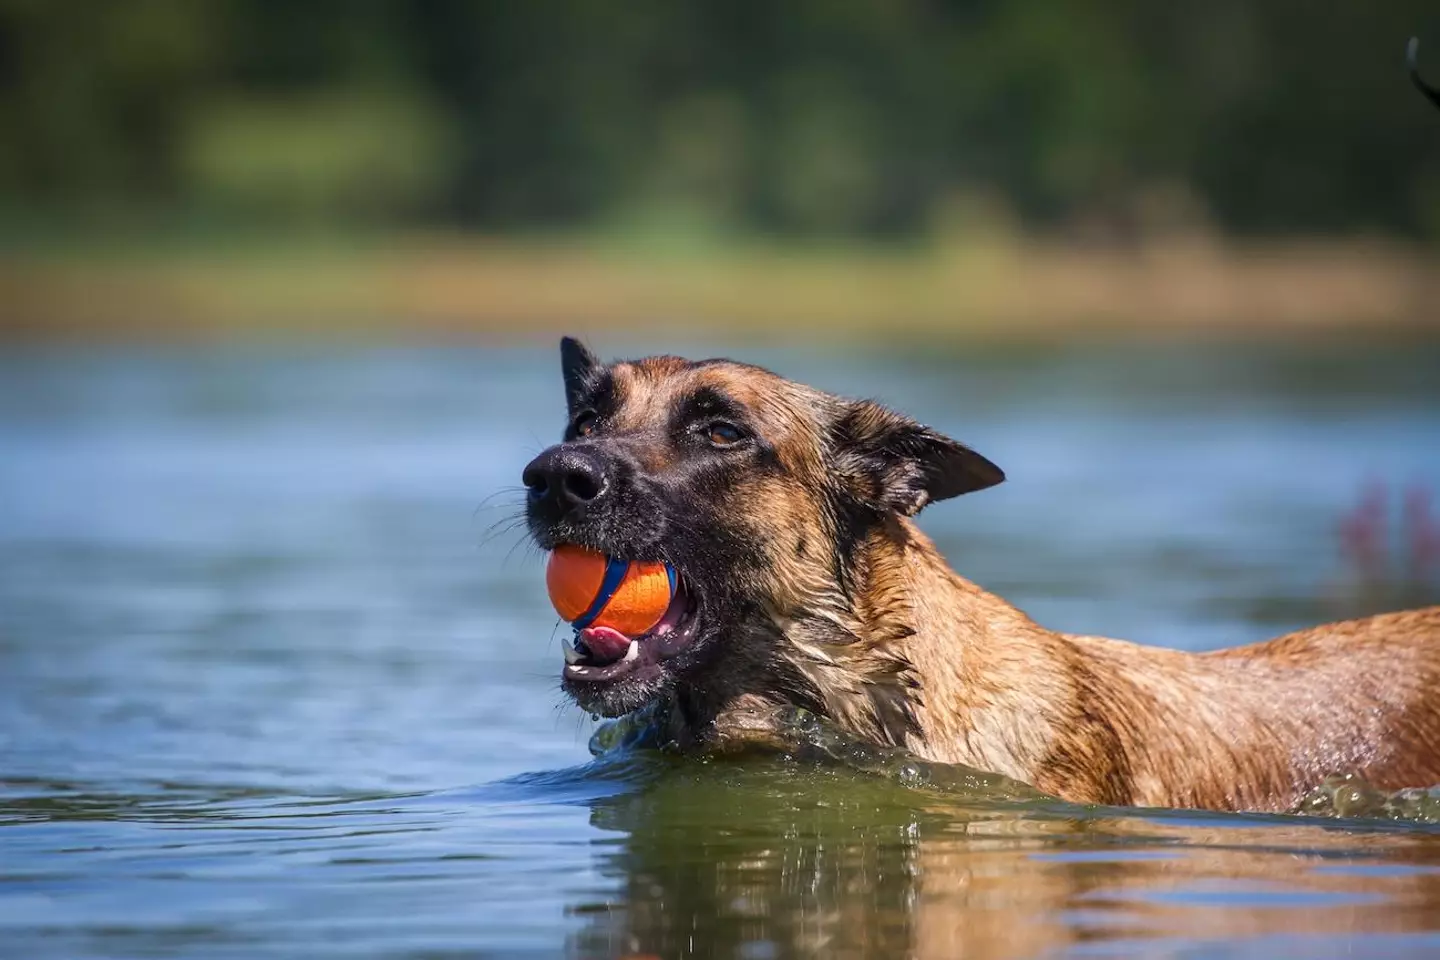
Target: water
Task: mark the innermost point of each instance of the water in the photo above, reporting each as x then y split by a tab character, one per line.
269	688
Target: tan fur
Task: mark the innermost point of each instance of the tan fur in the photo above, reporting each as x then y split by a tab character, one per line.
1106	721
908	652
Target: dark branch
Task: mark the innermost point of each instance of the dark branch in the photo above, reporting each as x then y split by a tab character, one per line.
1412	60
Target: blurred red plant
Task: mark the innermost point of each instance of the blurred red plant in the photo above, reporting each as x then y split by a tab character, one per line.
1367	544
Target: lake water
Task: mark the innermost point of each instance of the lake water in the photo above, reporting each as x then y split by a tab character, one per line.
274	684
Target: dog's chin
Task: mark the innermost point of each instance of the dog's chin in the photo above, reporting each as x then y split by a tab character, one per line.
610	674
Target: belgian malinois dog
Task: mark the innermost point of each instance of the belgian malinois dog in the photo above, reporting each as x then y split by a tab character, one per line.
805	582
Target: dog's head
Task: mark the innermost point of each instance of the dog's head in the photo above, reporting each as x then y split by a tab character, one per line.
757	490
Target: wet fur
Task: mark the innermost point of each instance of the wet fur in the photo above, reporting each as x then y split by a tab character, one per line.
820	591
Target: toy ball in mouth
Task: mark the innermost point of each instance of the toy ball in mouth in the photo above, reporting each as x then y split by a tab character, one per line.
590	589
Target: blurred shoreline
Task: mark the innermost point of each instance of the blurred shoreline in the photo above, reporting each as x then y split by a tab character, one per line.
503	289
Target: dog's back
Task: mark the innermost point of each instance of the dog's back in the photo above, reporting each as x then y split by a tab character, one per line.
1254	727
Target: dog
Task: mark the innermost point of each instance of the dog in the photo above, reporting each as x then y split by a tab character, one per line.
805	582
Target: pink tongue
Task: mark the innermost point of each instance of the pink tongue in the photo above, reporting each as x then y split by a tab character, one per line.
606	644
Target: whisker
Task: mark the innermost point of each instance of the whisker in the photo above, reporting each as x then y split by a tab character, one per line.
487	502
532	550
499	529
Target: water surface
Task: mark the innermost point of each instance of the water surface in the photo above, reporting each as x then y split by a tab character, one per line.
272	682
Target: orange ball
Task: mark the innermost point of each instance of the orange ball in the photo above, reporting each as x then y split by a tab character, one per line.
590	589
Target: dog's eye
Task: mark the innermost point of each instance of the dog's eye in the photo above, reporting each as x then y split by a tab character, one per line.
723	434
584	424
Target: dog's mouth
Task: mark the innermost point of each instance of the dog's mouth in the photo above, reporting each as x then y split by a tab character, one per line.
602	655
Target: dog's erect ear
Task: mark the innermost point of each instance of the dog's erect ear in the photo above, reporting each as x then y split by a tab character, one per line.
893	463
578	365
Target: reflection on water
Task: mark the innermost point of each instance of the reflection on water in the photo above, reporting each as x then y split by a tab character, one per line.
754	861
267	688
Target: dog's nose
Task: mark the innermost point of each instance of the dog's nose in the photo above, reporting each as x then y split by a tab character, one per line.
564	478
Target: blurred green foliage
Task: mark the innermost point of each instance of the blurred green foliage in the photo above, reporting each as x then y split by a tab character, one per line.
866	118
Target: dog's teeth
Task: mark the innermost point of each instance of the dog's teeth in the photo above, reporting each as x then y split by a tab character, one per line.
632	651
577	671
572	656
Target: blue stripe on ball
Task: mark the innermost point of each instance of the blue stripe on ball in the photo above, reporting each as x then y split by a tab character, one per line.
614	573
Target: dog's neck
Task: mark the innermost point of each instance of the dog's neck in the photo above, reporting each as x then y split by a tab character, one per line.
983	661
858	658
952	643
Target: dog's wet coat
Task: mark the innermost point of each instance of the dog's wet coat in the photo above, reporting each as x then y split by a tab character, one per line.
787	512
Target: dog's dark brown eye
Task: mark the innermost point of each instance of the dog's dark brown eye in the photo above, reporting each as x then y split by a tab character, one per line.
723	434
584	424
